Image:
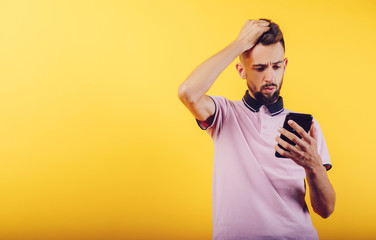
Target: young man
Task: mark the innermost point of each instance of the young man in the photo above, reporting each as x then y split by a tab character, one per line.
255	194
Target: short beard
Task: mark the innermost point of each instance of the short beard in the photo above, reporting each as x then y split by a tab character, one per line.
267	100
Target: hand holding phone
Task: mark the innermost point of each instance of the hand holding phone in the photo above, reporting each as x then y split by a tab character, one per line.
304	120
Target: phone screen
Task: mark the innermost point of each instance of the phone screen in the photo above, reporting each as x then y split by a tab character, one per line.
304	120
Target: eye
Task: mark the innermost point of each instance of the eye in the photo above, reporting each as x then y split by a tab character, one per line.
260	69
276	67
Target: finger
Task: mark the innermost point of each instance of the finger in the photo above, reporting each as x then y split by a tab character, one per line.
300	130
263	22
293	149
312	131
299	142
283	152
264	29
260	22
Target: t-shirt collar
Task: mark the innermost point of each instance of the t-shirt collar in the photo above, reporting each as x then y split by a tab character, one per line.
254	105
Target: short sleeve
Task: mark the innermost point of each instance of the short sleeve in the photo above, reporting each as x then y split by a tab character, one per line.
321	146
213	124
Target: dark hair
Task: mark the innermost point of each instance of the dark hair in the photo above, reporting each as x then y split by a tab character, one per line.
273	35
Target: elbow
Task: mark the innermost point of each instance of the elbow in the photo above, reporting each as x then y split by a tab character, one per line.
185	95
182	92
326	212
326	206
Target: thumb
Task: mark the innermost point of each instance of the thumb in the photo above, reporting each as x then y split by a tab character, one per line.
312	131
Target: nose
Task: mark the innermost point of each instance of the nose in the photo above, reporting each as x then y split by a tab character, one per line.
269	74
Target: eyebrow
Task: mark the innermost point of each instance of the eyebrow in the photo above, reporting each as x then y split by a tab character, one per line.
263	65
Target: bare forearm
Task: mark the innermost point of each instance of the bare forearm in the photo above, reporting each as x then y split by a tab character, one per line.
192	91
306	155
204	76
321	191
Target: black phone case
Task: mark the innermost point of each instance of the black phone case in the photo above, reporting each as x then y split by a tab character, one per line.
304	120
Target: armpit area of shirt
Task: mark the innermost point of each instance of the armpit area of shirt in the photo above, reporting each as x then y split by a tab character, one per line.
207	123
328	166
204	125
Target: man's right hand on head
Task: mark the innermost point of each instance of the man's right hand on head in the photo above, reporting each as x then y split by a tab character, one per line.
192	92
251	32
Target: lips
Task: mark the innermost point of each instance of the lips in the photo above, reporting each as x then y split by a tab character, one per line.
268	89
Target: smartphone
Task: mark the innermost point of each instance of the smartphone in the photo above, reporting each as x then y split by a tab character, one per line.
304	120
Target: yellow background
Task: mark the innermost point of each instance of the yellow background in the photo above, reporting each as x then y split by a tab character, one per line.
94	143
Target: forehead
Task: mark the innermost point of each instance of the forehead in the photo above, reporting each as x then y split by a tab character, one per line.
264	54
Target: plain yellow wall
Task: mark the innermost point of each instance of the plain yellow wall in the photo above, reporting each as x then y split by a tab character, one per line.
94	143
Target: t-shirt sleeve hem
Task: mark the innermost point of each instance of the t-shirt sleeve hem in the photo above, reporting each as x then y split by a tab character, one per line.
209	122
328	166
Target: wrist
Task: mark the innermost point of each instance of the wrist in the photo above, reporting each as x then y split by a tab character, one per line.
315	170
239	46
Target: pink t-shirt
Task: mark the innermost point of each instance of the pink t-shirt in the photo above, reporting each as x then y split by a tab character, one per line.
255	194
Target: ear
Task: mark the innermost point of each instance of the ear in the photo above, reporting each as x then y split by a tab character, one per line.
241	70
285	64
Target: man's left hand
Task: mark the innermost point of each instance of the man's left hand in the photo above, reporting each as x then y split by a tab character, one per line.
304	153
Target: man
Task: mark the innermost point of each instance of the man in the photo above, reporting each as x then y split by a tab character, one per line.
255	194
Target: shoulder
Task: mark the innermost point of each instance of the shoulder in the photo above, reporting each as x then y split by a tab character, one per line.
224	103
224	109
221	100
